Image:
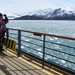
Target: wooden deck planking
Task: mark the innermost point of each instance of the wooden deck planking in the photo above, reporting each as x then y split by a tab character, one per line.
10	64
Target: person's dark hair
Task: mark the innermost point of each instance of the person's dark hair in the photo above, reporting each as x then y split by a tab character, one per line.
0	14
5	15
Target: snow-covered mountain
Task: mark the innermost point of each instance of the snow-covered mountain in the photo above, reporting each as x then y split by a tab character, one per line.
53	12
11	15
40	12
57	13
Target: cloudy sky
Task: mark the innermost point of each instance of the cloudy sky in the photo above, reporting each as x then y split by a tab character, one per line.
25	6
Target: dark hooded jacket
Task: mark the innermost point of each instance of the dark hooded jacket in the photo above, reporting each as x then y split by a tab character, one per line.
3	26
3	23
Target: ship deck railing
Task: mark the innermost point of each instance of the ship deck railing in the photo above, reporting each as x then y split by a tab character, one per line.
50	50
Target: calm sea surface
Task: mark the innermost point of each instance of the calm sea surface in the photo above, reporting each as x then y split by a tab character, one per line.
65	28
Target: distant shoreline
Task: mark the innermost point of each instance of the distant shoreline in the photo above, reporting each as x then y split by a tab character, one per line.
33	17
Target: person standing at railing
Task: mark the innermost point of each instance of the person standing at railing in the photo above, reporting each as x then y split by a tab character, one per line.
1	20
5	21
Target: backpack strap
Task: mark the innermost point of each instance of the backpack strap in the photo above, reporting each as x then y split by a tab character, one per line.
0	21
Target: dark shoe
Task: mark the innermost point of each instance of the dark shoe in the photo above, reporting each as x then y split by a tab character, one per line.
2	49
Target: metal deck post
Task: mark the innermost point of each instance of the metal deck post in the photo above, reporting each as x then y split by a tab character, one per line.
19	43
7	35
43	52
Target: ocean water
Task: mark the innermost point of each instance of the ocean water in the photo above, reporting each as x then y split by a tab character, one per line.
60	27
64	28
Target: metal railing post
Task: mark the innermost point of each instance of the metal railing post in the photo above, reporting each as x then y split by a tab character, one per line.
43	52
19	43
7	33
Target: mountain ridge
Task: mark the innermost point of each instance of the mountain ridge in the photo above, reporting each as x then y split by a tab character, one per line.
57	13
48	14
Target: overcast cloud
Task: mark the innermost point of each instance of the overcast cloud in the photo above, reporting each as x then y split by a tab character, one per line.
25	6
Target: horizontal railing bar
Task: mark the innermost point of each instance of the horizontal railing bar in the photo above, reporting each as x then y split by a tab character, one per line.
52	55
31	48
61	44
32	43
59	51
31	38
52	42
63	37
52	49
59	58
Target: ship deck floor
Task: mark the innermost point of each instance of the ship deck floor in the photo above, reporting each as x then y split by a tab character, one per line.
10	64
